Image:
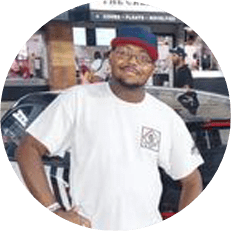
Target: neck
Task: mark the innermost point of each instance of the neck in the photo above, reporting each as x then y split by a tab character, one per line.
132	94
180	64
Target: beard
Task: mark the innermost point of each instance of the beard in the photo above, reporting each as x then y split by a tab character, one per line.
176	63
128	80
131	86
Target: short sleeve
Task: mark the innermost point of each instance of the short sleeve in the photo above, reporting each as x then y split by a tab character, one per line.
183	157
53	127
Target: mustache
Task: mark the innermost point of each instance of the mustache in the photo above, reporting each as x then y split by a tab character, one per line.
131	67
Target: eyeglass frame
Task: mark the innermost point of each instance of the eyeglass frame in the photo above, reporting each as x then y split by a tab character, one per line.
132	54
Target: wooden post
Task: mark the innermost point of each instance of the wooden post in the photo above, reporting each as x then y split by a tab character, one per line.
61	64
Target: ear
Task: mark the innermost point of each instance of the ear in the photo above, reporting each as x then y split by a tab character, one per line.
152	70
153	67
110	58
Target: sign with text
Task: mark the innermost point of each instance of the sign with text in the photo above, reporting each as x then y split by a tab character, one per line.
132	17
122	5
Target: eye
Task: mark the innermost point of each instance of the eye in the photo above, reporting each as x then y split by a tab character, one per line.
145	58
120	51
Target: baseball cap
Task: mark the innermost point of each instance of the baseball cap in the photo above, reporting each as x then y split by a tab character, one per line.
179	51
137	36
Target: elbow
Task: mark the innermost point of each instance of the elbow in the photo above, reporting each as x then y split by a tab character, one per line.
22	151
193	182
191	189
197	182
29	148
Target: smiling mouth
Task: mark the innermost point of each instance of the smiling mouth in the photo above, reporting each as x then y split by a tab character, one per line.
130	69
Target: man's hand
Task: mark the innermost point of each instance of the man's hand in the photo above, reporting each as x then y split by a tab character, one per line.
74	217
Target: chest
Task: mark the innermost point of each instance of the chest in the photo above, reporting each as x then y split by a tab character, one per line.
123	128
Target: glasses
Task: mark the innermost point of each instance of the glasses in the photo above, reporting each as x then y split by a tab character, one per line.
126	54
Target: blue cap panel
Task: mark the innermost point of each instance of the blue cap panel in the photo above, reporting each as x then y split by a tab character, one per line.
138	32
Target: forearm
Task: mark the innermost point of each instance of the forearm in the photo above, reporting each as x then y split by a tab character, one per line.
32	169
190	190
29	156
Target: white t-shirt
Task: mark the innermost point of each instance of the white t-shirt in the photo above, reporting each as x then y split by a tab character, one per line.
116	148
96	64
191	50
104	71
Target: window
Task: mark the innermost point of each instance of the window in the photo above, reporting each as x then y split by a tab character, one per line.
104	36
79	36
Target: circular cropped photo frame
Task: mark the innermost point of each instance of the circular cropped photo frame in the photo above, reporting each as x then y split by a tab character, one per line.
115	115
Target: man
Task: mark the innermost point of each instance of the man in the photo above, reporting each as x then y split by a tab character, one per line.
118	135
104	71
97	63
95	67
183	73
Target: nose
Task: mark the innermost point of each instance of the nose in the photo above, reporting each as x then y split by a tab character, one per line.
133	58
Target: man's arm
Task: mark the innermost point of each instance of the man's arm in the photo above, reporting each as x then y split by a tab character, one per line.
191	188
29	157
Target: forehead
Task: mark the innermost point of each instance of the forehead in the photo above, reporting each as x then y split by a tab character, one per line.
175	55
134	48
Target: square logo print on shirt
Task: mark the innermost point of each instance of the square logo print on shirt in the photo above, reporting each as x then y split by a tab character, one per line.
150	139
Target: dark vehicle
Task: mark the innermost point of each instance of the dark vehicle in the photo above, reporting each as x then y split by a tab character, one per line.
210	137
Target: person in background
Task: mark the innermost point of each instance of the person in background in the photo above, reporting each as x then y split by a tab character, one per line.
192	49
88	76
85	74
97	63
104	71
183	75
14	69
32	64
77	71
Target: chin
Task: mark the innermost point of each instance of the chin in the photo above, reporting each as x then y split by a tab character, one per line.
131	85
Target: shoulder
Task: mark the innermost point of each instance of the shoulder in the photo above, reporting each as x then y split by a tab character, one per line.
166	114
160	106
186	68
81	91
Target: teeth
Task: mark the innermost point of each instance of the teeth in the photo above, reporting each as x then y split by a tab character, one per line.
130	69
